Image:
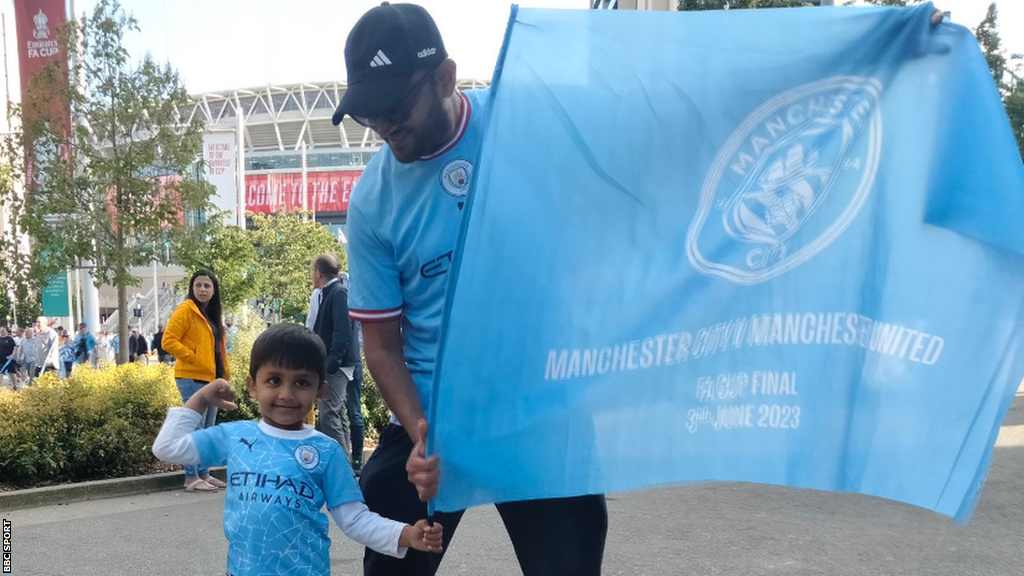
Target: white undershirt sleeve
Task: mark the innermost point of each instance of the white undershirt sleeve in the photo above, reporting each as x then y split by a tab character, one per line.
368	528
174	443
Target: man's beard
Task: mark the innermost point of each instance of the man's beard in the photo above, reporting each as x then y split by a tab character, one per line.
429	137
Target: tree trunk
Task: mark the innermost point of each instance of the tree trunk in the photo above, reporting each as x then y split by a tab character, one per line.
122	324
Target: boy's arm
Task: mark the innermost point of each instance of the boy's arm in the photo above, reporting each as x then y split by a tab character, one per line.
175	443
383	535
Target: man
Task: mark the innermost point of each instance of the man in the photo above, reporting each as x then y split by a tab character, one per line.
83	345
404	218
230	333
48	346
7	365
30	355
335	329
354	394
158	339
138	348
133	344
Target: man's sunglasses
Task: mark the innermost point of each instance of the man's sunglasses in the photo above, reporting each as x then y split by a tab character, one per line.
400	112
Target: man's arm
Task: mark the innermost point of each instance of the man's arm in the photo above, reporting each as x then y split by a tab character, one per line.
382	343
384	358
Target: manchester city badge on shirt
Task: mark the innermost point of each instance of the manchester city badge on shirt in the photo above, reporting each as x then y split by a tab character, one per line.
307	456
455	177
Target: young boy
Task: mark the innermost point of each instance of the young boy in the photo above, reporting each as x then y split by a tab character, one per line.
280	471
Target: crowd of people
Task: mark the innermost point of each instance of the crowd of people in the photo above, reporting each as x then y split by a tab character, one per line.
45	346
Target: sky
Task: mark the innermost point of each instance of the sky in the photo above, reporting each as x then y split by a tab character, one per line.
223	44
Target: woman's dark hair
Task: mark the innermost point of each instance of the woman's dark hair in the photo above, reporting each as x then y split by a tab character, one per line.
213	310
290	346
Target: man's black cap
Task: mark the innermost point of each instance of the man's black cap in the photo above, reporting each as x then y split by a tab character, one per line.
384	49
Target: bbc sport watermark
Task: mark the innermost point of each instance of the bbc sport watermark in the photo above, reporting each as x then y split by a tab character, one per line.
7	546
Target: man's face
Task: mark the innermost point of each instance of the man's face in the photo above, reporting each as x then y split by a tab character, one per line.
29	333
3	332
427	126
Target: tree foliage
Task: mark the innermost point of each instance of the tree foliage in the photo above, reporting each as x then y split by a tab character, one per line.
987	34
226	250
1007	79
286	245
106	193
19	300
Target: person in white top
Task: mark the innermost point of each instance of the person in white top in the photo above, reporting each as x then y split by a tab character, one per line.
280	471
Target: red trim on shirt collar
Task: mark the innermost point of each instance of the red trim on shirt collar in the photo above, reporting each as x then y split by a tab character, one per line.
466	110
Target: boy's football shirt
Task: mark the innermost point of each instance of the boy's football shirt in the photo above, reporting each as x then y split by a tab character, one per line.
278	480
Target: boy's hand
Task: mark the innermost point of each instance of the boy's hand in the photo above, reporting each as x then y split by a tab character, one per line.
423	537
219	394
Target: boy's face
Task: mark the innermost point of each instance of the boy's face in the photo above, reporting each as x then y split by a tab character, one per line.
285	395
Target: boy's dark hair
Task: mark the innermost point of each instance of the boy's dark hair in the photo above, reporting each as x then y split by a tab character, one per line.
289	346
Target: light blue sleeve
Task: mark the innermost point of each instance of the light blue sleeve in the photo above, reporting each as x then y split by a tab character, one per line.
376	289
213	444
339	481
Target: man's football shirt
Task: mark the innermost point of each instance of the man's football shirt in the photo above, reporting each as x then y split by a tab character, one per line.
403	225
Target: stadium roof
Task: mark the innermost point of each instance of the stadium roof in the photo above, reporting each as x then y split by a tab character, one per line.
281	118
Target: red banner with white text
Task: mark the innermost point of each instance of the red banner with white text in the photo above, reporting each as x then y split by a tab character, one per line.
325	191
37	23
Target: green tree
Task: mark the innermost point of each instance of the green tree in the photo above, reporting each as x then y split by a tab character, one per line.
1009	81
226	250
987	34
286	245
18	285
130	174
1014	102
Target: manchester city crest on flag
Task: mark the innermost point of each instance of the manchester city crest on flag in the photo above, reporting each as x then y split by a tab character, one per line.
789	181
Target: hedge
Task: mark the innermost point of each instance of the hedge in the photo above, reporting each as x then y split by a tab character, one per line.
101	423
96	424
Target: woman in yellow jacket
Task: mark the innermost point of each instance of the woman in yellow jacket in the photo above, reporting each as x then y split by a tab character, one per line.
195	336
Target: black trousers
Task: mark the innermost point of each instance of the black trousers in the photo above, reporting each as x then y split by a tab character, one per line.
554	537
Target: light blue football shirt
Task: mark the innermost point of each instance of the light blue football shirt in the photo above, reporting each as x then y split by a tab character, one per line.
278	480
403	225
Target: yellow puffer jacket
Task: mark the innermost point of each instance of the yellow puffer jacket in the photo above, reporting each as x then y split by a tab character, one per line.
189	338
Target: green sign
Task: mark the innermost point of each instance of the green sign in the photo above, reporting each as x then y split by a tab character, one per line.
55	296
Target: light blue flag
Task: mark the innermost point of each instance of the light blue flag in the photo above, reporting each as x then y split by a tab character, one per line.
773	246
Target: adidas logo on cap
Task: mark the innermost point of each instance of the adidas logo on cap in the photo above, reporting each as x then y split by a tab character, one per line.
380	60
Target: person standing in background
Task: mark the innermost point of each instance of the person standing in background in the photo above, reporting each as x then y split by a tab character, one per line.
334	328
195	336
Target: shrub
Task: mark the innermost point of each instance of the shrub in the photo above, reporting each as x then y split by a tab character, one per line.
376	414
248	328
96	424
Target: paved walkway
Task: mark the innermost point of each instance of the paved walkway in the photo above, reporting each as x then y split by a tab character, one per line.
723	529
